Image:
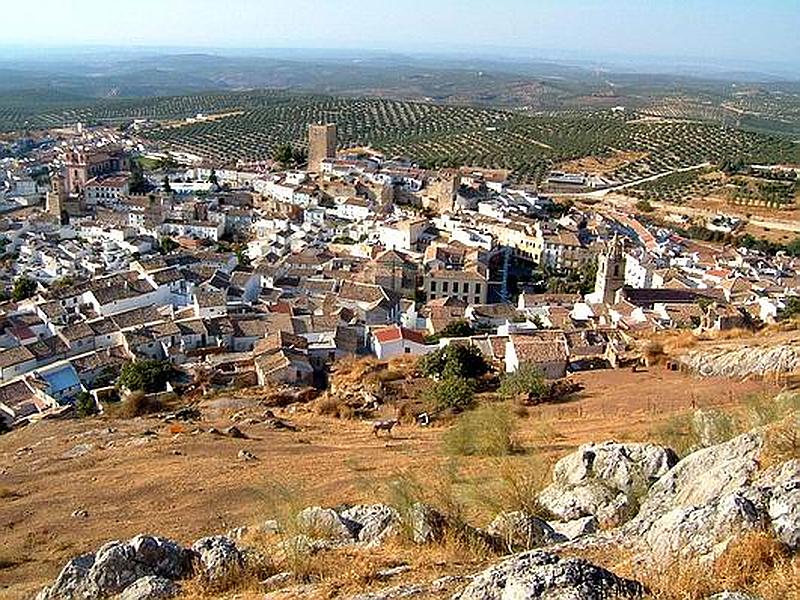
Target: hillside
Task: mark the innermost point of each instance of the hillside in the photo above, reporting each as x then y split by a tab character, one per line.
67	486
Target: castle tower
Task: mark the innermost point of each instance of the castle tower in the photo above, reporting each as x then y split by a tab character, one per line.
56	198
321	145
610	272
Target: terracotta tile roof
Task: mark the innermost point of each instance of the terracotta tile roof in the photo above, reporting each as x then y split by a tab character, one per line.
396	333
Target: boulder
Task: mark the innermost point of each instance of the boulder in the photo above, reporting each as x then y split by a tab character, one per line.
375	521
572	530
326	523
574	502
72	581
715	495
220	559
539	574
604	480
425	523
117	565
518	530
702	532
151	588
702	478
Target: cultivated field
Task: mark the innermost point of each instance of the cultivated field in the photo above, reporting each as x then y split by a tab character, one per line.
250	125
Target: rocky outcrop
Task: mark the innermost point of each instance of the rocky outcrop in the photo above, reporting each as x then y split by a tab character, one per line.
116	566
425	523
151	588
375	521
219	558
714	496
742	362
604	480
518	530
540	574
577	528
325	523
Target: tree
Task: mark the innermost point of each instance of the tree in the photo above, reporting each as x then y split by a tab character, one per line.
85	406
460	328
243	260
166	185
23	288
168	245
452	393
644	206
213	179
526	380
792	308
454	361
145	375
284	154
137	184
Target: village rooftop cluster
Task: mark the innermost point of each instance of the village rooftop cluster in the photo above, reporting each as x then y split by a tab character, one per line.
115	251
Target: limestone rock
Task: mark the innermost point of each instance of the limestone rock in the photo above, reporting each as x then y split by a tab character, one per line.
703	531
518	530
425	523
220	558
375	521
539	574
117	565
604	480
702	478
326	523
572	530
151	588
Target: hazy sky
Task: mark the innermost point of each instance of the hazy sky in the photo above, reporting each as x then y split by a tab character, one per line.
756	29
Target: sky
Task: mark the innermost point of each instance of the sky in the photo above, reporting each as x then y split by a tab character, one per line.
763	30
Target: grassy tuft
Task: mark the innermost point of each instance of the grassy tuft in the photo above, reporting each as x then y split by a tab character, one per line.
486	431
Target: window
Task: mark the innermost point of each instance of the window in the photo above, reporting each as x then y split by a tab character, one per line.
477	288
407	350
433	286
444	286
455	287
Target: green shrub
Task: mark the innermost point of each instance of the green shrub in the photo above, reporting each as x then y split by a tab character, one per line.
454	361
486	431
527	380
453	393
85	406
145	375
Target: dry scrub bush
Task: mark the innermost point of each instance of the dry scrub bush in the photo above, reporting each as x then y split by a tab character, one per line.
136	404
330	406
678	433
486	431
514	485
756	564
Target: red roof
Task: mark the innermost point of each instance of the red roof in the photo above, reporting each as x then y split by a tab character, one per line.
396	333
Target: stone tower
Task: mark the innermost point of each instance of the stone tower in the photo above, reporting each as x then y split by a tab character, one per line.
56	197
321	145
442	191
610	272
